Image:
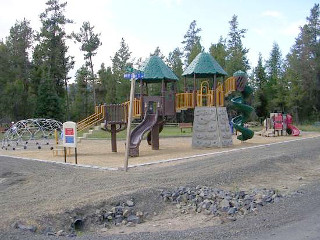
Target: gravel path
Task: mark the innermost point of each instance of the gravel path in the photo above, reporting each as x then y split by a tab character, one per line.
29	190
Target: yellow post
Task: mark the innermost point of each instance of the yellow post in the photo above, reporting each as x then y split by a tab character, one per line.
56	136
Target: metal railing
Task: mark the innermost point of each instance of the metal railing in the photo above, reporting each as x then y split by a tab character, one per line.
93	119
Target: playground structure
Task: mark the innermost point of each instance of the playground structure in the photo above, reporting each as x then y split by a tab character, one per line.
208	89
279	124
31	132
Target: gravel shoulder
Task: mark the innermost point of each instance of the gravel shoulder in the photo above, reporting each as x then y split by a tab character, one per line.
32	190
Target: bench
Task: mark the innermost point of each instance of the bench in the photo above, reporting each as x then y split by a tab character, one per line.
184	125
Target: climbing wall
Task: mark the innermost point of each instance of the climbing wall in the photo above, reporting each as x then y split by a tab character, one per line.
224	127
211	128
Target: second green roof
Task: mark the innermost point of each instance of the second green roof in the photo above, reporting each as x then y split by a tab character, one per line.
204	65
155	70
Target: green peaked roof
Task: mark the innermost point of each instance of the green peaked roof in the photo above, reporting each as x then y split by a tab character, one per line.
155	70
204	65
240	73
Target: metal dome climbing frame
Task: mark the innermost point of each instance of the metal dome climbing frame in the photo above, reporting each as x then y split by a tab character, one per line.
39	131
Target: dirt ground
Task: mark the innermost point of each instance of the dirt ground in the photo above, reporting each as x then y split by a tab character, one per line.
98	152
40	192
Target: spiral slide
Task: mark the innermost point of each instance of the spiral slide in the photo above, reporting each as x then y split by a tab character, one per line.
238	122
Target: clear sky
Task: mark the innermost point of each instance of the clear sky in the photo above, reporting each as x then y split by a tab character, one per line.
146	24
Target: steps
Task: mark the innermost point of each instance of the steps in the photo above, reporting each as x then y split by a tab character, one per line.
90	132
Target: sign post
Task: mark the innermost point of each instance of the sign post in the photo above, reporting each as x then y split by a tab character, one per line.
133	76
70	139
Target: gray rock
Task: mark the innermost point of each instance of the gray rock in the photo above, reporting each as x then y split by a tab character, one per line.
139	214
232	211
130	224
213	208
206	204
21	226
106	215
134	219
60	233
118	219
130	203
124	222
235	204
126	212
119	210
71	235
224	205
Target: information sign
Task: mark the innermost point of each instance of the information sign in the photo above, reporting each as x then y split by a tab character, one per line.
70	134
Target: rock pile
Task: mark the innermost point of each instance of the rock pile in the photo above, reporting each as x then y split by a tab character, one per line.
124	213
218	202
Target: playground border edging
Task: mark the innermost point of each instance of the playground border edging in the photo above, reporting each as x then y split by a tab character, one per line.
161	161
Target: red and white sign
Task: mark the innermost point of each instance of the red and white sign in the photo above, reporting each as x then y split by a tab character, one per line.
68	131
70	134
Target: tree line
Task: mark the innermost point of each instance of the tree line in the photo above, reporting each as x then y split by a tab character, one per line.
34	67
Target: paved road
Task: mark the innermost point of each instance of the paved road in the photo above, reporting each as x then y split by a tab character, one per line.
28	189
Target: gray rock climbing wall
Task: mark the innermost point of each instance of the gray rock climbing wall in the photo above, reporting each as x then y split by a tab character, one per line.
224	126
205	128
211	128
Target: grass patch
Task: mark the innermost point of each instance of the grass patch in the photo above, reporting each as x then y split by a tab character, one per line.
168	131
309	128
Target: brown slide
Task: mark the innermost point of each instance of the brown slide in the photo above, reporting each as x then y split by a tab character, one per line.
150	119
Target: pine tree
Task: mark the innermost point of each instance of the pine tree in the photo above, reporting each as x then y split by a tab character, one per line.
50	56
276	86
157	52
190	39
260	73
196	49
90	42
48	101
174	61
105	87
303	70
119	63
5	74
219	52
260	98
18	44
82	100
236	59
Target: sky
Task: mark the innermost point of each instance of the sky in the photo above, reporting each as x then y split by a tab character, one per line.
147	24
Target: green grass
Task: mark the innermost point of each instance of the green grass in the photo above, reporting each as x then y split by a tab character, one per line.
173	131
309	128
167	131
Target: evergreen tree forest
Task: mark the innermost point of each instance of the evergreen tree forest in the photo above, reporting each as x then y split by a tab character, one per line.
35	65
